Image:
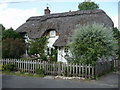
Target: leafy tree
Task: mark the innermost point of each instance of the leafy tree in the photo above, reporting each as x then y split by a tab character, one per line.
13	48
10	33
38	46
2	28
117	36
88	5
91	43
13	45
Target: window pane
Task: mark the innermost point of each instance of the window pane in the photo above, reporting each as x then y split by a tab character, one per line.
52	33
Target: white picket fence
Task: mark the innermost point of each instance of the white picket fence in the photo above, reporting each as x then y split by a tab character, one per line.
84	71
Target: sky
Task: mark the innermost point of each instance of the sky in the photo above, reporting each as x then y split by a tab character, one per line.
14	13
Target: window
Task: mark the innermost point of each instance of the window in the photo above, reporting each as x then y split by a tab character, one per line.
25	36
52	33
48	51
66	49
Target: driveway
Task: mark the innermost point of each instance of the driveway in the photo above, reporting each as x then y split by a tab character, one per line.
106	81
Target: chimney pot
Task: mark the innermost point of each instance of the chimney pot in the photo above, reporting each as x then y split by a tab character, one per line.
47	11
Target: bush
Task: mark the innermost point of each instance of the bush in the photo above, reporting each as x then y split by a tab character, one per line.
53	55
117	36
38	46
10	33
9	67
68	73
13	48
93	42
1	67
39	71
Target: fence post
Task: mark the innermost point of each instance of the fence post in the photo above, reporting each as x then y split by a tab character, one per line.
96	70
79	70
59	69
82	70
62	69
73	69
86	71
70	69
29	66
76	70
17	64
44	67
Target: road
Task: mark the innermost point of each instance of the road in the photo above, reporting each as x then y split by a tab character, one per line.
107	81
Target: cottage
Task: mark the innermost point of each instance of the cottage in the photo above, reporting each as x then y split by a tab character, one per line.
60	26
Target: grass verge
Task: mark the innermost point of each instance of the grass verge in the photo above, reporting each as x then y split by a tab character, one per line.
18	73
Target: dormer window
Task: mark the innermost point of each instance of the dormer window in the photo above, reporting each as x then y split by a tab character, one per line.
26	36
52	33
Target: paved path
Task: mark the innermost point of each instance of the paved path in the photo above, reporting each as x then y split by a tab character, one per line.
107	81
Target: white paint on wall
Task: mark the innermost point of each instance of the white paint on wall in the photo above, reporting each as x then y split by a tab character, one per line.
60	56
51	41
61	53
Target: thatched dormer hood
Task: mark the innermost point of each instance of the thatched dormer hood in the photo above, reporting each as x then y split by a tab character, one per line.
63	23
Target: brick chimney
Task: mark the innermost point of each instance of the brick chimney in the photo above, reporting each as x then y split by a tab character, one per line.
46	11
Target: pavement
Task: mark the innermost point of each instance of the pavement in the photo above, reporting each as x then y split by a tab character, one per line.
106	81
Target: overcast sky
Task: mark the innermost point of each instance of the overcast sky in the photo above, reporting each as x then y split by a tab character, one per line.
14	13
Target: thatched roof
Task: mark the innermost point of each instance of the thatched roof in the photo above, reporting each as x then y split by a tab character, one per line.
63	23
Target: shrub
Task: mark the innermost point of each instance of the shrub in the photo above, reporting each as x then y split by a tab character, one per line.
39	71
92	42
10	33
37	46
53	55
117	36
9	67
67	72
13	48
1	67
21	71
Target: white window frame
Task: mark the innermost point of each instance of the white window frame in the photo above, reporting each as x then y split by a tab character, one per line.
52	33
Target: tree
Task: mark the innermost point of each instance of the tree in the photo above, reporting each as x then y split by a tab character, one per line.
10	33
117	36
88	5
2	28
38	46
13	48
13	45
93	42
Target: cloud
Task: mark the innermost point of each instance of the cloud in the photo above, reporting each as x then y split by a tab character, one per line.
14	17
115	20
20	1
3	6
12	1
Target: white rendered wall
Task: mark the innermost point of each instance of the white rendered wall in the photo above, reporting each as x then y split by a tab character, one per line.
51	41
60	56
27	40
